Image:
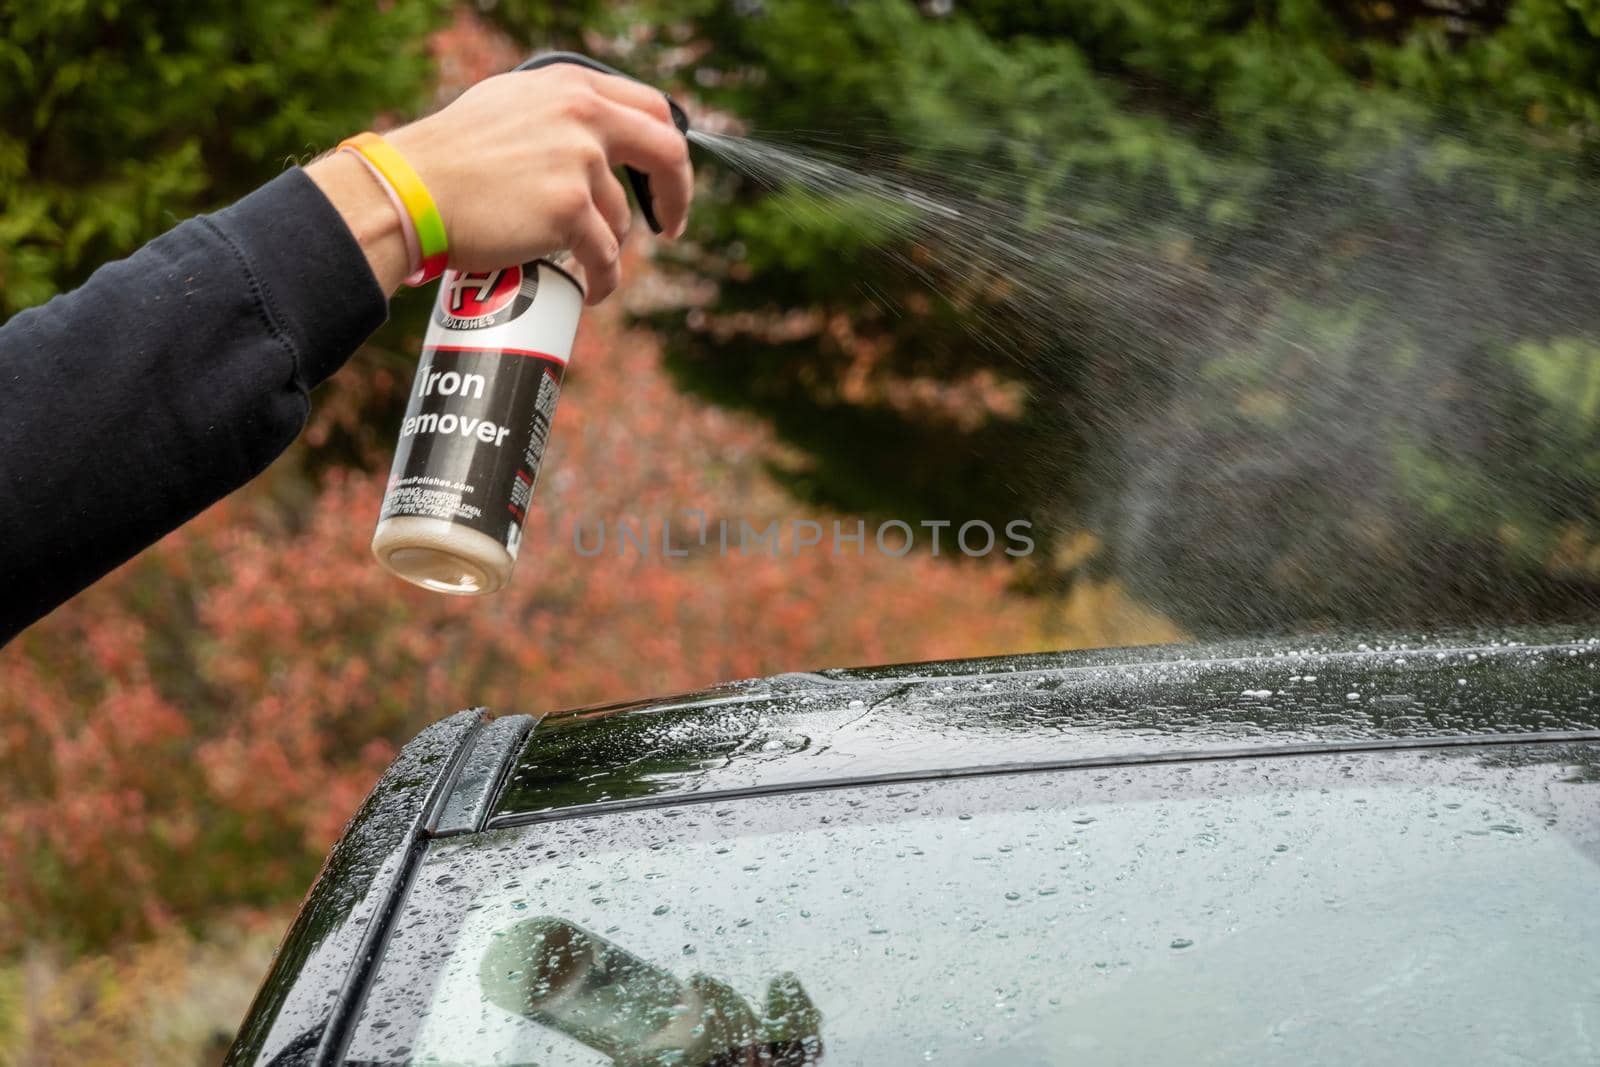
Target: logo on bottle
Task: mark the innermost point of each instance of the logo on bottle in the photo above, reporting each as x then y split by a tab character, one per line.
478	300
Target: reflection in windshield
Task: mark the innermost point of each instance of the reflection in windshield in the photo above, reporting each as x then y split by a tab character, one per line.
564	977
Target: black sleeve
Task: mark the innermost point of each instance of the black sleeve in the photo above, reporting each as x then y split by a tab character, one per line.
165	382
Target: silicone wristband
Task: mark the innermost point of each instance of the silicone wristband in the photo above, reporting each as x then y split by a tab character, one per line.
431	240
408	229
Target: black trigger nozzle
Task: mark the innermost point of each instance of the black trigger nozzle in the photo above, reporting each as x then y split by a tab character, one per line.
641	192
680	118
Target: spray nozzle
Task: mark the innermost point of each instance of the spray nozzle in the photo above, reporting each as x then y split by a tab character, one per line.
637	179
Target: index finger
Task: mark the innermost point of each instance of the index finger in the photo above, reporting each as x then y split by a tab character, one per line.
640	133
635	94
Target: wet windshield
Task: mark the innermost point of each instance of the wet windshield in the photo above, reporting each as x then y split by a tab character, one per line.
1426	907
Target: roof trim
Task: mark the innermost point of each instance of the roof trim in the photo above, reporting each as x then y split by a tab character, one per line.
1308	748
480	775
765	688
1224	661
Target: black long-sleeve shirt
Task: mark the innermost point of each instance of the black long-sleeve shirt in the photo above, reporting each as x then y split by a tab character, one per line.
165	382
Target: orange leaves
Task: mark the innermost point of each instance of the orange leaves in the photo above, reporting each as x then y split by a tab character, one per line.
469	50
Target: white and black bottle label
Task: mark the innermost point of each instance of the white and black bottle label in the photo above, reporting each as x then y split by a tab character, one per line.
479	412
473	437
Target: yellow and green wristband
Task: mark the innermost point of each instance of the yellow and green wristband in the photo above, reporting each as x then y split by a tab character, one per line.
404	182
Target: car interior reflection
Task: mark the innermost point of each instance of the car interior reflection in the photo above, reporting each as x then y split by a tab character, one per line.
592	990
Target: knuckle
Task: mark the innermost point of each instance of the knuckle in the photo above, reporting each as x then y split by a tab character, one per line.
583	103
565	77
571	201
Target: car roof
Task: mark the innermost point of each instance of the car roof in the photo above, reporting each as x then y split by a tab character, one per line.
470	772
1031	712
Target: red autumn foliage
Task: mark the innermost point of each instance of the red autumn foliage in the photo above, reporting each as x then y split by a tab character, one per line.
190	734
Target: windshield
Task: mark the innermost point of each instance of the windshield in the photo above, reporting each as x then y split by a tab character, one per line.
1414	906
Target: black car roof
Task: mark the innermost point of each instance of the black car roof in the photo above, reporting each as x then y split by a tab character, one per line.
836	727
468	772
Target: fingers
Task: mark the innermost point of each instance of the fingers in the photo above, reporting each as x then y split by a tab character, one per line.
601	253
595	245
611	201
646	140
634	94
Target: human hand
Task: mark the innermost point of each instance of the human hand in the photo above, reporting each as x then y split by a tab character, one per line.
521	165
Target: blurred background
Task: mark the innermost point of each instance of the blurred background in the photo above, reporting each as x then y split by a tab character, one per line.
1270	317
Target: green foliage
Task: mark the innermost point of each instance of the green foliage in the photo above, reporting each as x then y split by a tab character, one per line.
117	118
1368	186
1089	97
1532	493
1566	375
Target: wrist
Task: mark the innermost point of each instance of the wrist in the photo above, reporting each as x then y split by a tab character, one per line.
368	212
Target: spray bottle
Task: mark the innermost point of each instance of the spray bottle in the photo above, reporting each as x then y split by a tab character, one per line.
479	412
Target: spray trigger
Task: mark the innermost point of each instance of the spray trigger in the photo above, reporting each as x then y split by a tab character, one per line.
637	179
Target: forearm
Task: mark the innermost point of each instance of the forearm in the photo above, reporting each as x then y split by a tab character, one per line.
171	378
367	213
